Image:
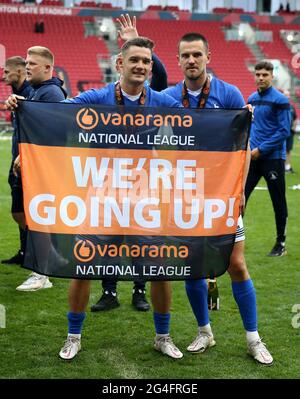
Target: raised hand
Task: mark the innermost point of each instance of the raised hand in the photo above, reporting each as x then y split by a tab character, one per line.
127	29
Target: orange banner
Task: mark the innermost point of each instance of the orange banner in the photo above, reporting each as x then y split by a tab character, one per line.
131	192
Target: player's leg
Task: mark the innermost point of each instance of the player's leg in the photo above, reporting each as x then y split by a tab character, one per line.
161	295
245	297
274	175
254	175
79	293
197	294
17	211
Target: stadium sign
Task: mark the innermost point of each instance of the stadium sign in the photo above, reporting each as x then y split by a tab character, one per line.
38	10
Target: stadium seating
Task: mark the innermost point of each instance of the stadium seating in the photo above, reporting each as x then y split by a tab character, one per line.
88	4
56	3
77	55
64	35
228	59
277	49
155	8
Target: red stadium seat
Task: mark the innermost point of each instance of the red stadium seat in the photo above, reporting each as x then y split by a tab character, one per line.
221	63
64	35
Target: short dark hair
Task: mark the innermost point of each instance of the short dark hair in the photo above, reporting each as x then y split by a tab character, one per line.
267	65
139	42
193	36
16	61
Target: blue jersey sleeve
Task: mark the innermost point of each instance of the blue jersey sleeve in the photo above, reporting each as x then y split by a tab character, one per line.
234	98
92	96
170	101
283	115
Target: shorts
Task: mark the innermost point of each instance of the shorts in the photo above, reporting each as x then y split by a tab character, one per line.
240	232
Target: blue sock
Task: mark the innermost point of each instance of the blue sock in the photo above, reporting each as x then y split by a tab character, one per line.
197	292
75	322
245	297
162	322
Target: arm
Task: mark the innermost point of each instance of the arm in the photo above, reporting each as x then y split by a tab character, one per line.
281	133
88	97
159	79
129	31
294	119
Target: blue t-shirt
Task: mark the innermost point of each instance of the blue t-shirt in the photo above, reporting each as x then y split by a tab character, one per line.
221	95
106	96
271	123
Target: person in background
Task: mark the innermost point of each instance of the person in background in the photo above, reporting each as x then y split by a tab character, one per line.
14	75
270	129
290	139
45	87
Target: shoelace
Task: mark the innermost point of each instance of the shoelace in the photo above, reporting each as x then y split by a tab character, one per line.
68	343
261	345
31	279
203	335
169	341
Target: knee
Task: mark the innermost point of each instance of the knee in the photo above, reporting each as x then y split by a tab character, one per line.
238	268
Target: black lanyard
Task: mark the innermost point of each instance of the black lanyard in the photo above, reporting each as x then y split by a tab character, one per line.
203	95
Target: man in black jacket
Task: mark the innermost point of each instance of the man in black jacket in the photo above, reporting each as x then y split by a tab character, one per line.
39	71
14	75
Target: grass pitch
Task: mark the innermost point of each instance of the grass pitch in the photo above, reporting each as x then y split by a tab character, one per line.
119	343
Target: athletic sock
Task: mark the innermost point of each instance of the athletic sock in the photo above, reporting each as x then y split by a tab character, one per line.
252	336
206	329
245	297
197	292
75	322
162	323
74	335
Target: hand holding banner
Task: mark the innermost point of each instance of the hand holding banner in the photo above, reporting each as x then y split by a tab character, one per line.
130	193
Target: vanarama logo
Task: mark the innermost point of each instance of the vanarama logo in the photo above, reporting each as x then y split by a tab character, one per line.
87	118
85	251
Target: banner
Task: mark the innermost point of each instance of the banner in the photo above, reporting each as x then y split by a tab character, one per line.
132	193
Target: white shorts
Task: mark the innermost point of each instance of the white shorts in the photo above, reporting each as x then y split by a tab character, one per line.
240	232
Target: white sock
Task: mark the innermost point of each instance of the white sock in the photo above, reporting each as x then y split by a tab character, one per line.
206	329
252	336
161	335
74	335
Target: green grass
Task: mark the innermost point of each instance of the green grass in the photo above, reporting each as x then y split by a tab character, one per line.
118	344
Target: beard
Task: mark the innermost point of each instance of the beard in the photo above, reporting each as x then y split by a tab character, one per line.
195	75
